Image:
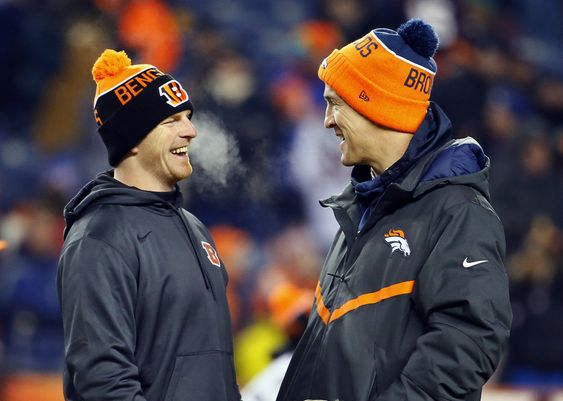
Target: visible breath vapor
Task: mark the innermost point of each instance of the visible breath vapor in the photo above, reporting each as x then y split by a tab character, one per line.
214	154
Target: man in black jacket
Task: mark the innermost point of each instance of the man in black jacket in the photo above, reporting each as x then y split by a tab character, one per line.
412	302
141	286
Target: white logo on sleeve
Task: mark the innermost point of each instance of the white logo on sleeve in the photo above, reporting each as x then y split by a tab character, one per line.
467	264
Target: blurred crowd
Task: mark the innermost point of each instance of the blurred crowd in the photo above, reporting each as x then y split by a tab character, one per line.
264	159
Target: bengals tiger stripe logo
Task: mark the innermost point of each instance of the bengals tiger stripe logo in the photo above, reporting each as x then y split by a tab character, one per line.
211	254
174	93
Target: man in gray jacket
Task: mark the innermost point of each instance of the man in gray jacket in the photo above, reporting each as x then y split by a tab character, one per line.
412	303
142	289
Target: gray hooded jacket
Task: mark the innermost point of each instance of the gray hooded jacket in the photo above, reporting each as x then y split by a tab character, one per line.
142	292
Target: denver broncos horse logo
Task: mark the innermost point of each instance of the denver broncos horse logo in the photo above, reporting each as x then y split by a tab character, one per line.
174	93
396	239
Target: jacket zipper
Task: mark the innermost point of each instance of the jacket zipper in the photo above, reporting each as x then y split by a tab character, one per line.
206	279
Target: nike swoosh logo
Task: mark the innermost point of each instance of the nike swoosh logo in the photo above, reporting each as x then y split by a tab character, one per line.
141	238
468	264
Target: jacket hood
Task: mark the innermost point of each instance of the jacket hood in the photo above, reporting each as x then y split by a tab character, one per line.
433	133
459	161
104	189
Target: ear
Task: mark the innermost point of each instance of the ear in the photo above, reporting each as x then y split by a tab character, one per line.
134	151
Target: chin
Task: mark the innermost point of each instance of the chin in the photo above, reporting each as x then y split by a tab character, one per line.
182	174
185	174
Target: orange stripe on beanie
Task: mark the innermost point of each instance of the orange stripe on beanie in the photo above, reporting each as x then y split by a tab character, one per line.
386	75
131	100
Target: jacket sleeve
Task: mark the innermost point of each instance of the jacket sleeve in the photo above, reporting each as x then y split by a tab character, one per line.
98	291
466	309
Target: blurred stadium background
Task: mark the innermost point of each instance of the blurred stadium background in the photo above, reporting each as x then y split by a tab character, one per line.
264	158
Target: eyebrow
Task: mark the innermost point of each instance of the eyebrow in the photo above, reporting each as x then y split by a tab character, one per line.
180	114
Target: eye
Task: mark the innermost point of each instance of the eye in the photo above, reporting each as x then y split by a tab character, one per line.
331	102
168	122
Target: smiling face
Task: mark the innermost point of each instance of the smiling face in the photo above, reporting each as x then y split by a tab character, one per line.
358	134
363	142
162	156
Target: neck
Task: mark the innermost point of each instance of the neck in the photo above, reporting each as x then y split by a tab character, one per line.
392	145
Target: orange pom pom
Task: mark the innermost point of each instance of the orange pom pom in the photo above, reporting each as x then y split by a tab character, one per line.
110	63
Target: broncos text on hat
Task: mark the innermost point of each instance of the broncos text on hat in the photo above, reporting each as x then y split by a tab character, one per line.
387	75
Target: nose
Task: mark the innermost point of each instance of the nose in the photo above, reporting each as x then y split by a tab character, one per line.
329	121
188	129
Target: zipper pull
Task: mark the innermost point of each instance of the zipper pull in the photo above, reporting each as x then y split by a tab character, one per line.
341	278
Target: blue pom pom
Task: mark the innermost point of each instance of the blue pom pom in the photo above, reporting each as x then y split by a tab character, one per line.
420	36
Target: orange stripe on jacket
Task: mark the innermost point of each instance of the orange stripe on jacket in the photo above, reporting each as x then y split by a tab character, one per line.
403	288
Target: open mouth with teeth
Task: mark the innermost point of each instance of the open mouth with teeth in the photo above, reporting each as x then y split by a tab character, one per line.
342	142
339	134
182	151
